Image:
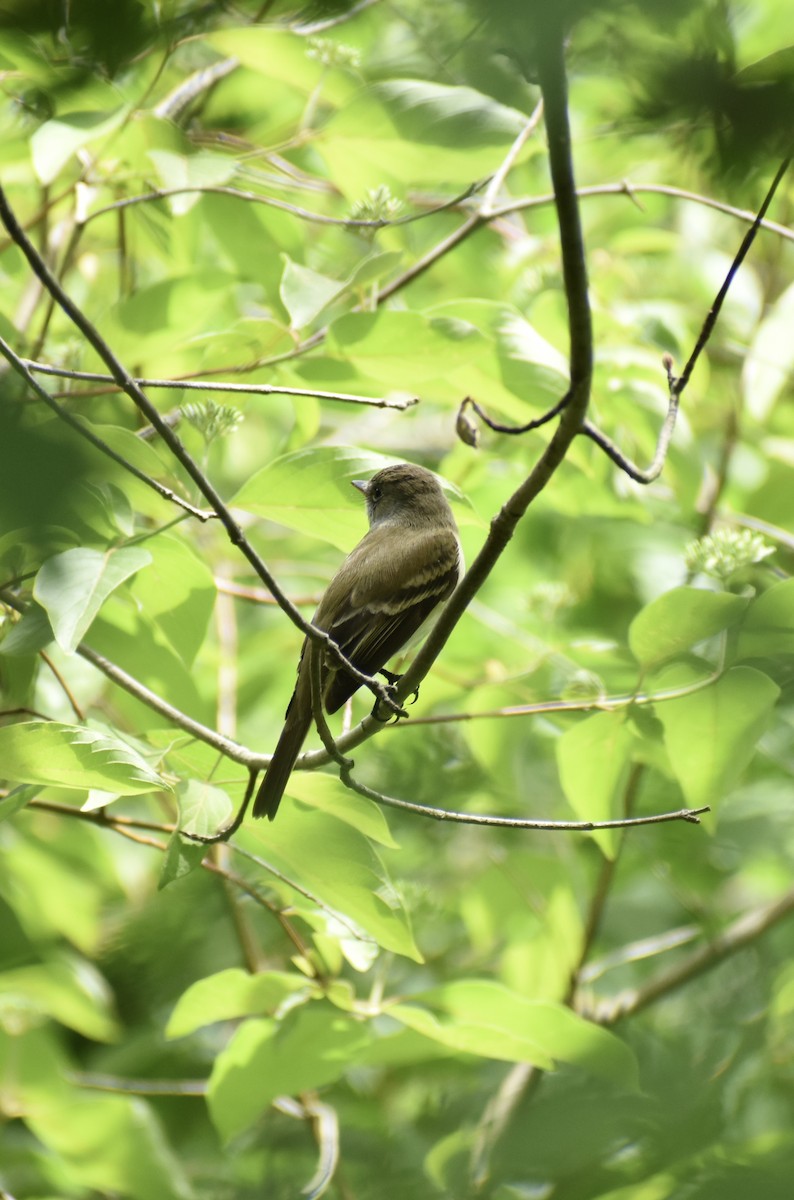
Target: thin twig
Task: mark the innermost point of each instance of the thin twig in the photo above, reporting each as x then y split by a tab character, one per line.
662	445
303	214
67	691
692	815
497	180
625	188
741	254
205	385
497	427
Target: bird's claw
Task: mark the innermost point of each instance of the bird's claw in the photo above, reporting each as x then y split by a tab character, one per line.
392	679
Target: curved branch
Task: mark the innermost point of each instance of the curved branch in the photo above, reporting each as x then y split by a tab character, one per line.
691	815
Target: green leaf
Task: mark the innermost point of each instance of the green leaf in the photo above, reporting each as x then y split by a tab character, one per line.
382	136
202	169
712	734
234	993
329	794
310	491
182	857
593	759
73	586
678	620
71	756
111	1144
265	1059
305	293
275	53
31	633
768	628
488	1019
404	350
17	799
340	869
440	115
71	992
203	808
178	591
54	142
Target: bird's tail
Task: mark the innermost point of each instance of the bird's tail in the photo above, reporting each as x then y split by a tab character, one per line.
293	735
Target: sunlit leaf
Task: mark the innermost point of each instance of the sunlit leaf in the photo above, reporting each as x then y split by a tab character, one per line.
311	1048
679	620
73	586
71	756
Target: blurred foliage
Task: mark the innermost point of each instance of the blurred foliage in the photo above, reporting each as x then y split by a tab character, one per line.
477	1011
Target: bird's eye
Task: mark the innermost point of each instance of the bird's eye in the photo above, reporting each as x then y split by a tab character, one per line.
376	493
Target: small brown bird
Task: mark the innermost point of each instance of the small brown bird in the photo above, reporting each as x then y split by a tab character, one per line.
402	569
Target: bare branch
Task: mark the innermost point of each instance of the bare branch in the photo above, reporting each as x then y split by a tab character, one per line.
303	214
692	815
205	385
662	446
632	190
741	254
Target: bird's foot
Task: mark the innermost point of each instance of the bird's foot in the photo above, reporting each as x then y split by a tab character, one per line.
392	679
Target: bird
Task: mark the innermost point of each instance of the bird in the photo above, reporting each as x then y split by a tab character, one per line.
381	598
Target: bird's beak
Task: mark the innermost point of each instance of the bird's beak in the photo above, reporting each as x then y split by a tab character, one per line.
361	484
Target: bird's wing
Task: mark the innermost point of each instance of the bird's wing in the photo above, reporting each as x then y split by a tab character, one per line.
375	620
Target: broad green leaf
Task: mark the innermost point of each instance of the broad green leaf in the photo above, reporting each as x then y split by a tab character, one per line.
112	1145
31	633
767	630
181	858
202	169
712	734
678	620
439	115
593	759
312	1047
178	592
276	53
340	869
71	992
479	1037
404	349
54	142
486	1018
305	293
203	808
310	491
383	136
234	993
329	794
73	586
71	756
124	633
59	890
17	799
